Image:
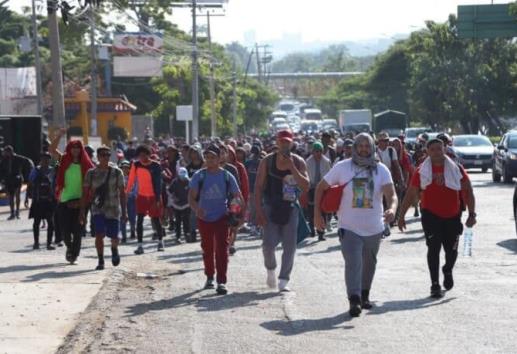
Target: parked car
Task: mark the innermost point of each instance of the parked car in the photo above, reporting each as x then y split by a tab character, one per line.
505	158
474	151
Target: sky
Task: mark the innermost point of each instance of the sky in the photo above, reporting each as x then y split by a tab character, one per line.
321	20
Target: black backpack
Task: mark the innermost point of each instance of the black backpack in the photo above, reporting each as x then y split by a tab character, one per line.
42	190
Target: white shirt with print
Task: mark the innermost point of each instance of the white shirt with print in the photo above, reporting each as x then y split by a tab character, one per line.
361	210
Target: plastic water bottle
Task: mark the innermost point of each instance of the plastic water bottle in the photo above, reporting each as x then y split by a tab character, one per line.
467	245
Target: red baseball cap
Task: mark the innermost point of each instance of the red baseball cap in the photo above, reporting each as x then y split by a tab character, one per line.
285	135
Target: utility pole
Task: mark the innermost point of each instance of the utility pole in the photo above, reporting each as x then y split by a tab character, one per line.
58	99
213	116
35	43
259	67
93	82
195	75
234	103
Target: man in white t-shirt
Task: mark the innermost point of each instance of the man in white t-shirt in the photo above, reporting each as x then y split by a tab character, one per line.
361	216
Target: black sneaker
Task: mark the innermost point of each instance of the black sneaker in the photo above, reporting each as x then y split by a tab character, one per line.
11	217
160	246
448	280
115	257
436	291
355	306
35	246
209	283
221	289
50	248
321	237
59	244
232	250
365	300
139	250
100	266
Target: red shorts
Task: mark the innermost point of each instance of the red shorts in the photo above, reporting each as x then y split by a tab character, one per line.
147	206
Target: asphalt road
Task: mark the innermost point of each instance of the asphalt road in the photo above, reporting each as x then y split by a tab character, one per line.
169	313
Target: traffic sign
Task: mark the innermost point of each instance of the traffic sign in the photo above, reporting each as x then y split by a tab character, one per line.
184	113
486	21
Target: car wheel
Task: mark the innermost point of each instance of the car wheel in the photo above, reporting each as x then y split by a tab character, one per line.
507	178
496	177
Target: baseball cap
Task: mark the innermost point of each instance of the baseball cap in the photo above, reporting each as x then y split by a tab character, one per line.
348	142
383	136
317	146
212	149
285	135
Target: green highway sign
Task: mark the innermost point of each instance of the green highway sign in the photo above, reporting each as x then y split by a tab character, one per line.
486	21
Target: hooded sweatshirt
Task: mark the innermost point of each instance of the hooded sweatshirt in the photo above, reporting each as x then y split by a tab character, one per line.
243	175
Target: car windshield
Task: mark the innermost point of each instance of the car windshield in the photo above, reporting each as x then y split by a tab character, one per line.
313	116
465	141
413	133
512	142
287	107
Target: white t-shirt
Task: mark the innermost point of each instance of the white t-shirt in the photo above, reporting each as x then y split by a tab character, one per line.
361	209
385	157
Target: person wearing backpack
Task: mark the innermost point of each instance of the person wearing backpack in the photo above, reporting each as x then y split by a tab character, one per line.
212	189
281	177
147	174
177	198
43	206
104	191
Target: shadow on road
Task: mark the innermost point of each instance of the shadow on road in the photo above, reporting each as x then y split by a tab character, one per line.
55	275
207	303
183	300
28	268
408	239
408	305
297	327
214	302
510	244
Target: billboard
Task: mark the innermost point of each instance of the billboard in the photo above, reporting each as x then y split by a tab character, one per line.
17	83
137	66
137	44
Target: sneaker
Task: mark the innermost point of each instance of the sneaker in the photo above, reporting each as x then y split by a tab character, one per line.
11	217
35	246
232	250
221	289
178	241
139	250
115	257
133	236
100	266
448	280
365	300
321	237
282	286
355	306
271	279
209	283
160	246
436	291
50	248
60	244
